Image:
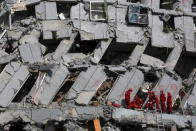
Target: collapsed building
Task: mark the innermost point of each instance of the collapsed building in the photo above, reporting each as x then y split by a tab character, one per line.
63	61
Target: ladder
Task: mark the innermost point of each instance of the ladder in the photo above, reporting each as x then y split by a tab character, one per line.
159	120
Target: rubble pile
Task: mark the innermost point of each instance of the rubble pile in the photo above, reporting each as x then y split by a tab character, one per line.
106	65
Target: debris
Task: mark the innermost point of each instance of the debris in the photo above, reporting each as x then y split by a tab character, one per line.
131	79
92	86
46	11
12	79
30	53
3	33
48	84
100	50
19	7
69	64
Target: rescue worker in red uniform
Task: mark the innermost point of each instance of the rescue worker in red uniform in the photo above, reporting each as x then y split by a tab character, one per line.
138	102
162	101
169	102
151	101
128	98
157	102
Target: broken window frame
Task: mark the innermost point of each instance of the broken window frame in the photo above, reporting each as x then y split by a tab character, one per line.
97	11
132	10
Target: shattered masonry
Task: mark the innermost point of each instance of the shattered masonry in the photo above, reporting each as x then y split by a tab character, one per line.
67	64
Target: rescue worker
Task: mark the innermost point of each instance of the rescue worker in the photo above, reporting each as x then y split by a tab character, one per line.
128	98
133	105
169	102
151	101
138	102
157	102
162	101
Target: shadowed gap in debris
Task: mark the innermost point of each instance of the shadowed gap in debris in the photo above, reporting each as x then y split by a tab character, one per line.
160	53
25	88
185	65
117	53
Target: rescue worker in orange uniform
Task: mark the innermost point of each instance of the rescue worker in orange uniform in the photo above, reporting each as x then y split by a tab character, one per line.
162	101
169	102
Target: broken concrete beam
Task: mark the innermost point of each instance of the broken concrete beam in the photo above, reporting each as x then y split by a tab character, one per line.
12	79
46	11
151	61
58	113
137	52
127	116
31	53
119	115
131	79
100	50
48	84
91	87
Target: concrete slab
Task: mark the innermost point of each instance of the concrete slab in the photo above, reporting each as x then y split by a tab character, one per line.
12	79
31	53
169	83
100	50
151	61
80	83
92	86
131	79
46	11
48	84
160	38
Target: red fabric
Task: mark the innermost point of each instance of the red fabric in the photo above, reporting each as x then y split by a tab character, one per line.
138	102
128	98
157	102
162	101
150	105
152	100
169	102
116	105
